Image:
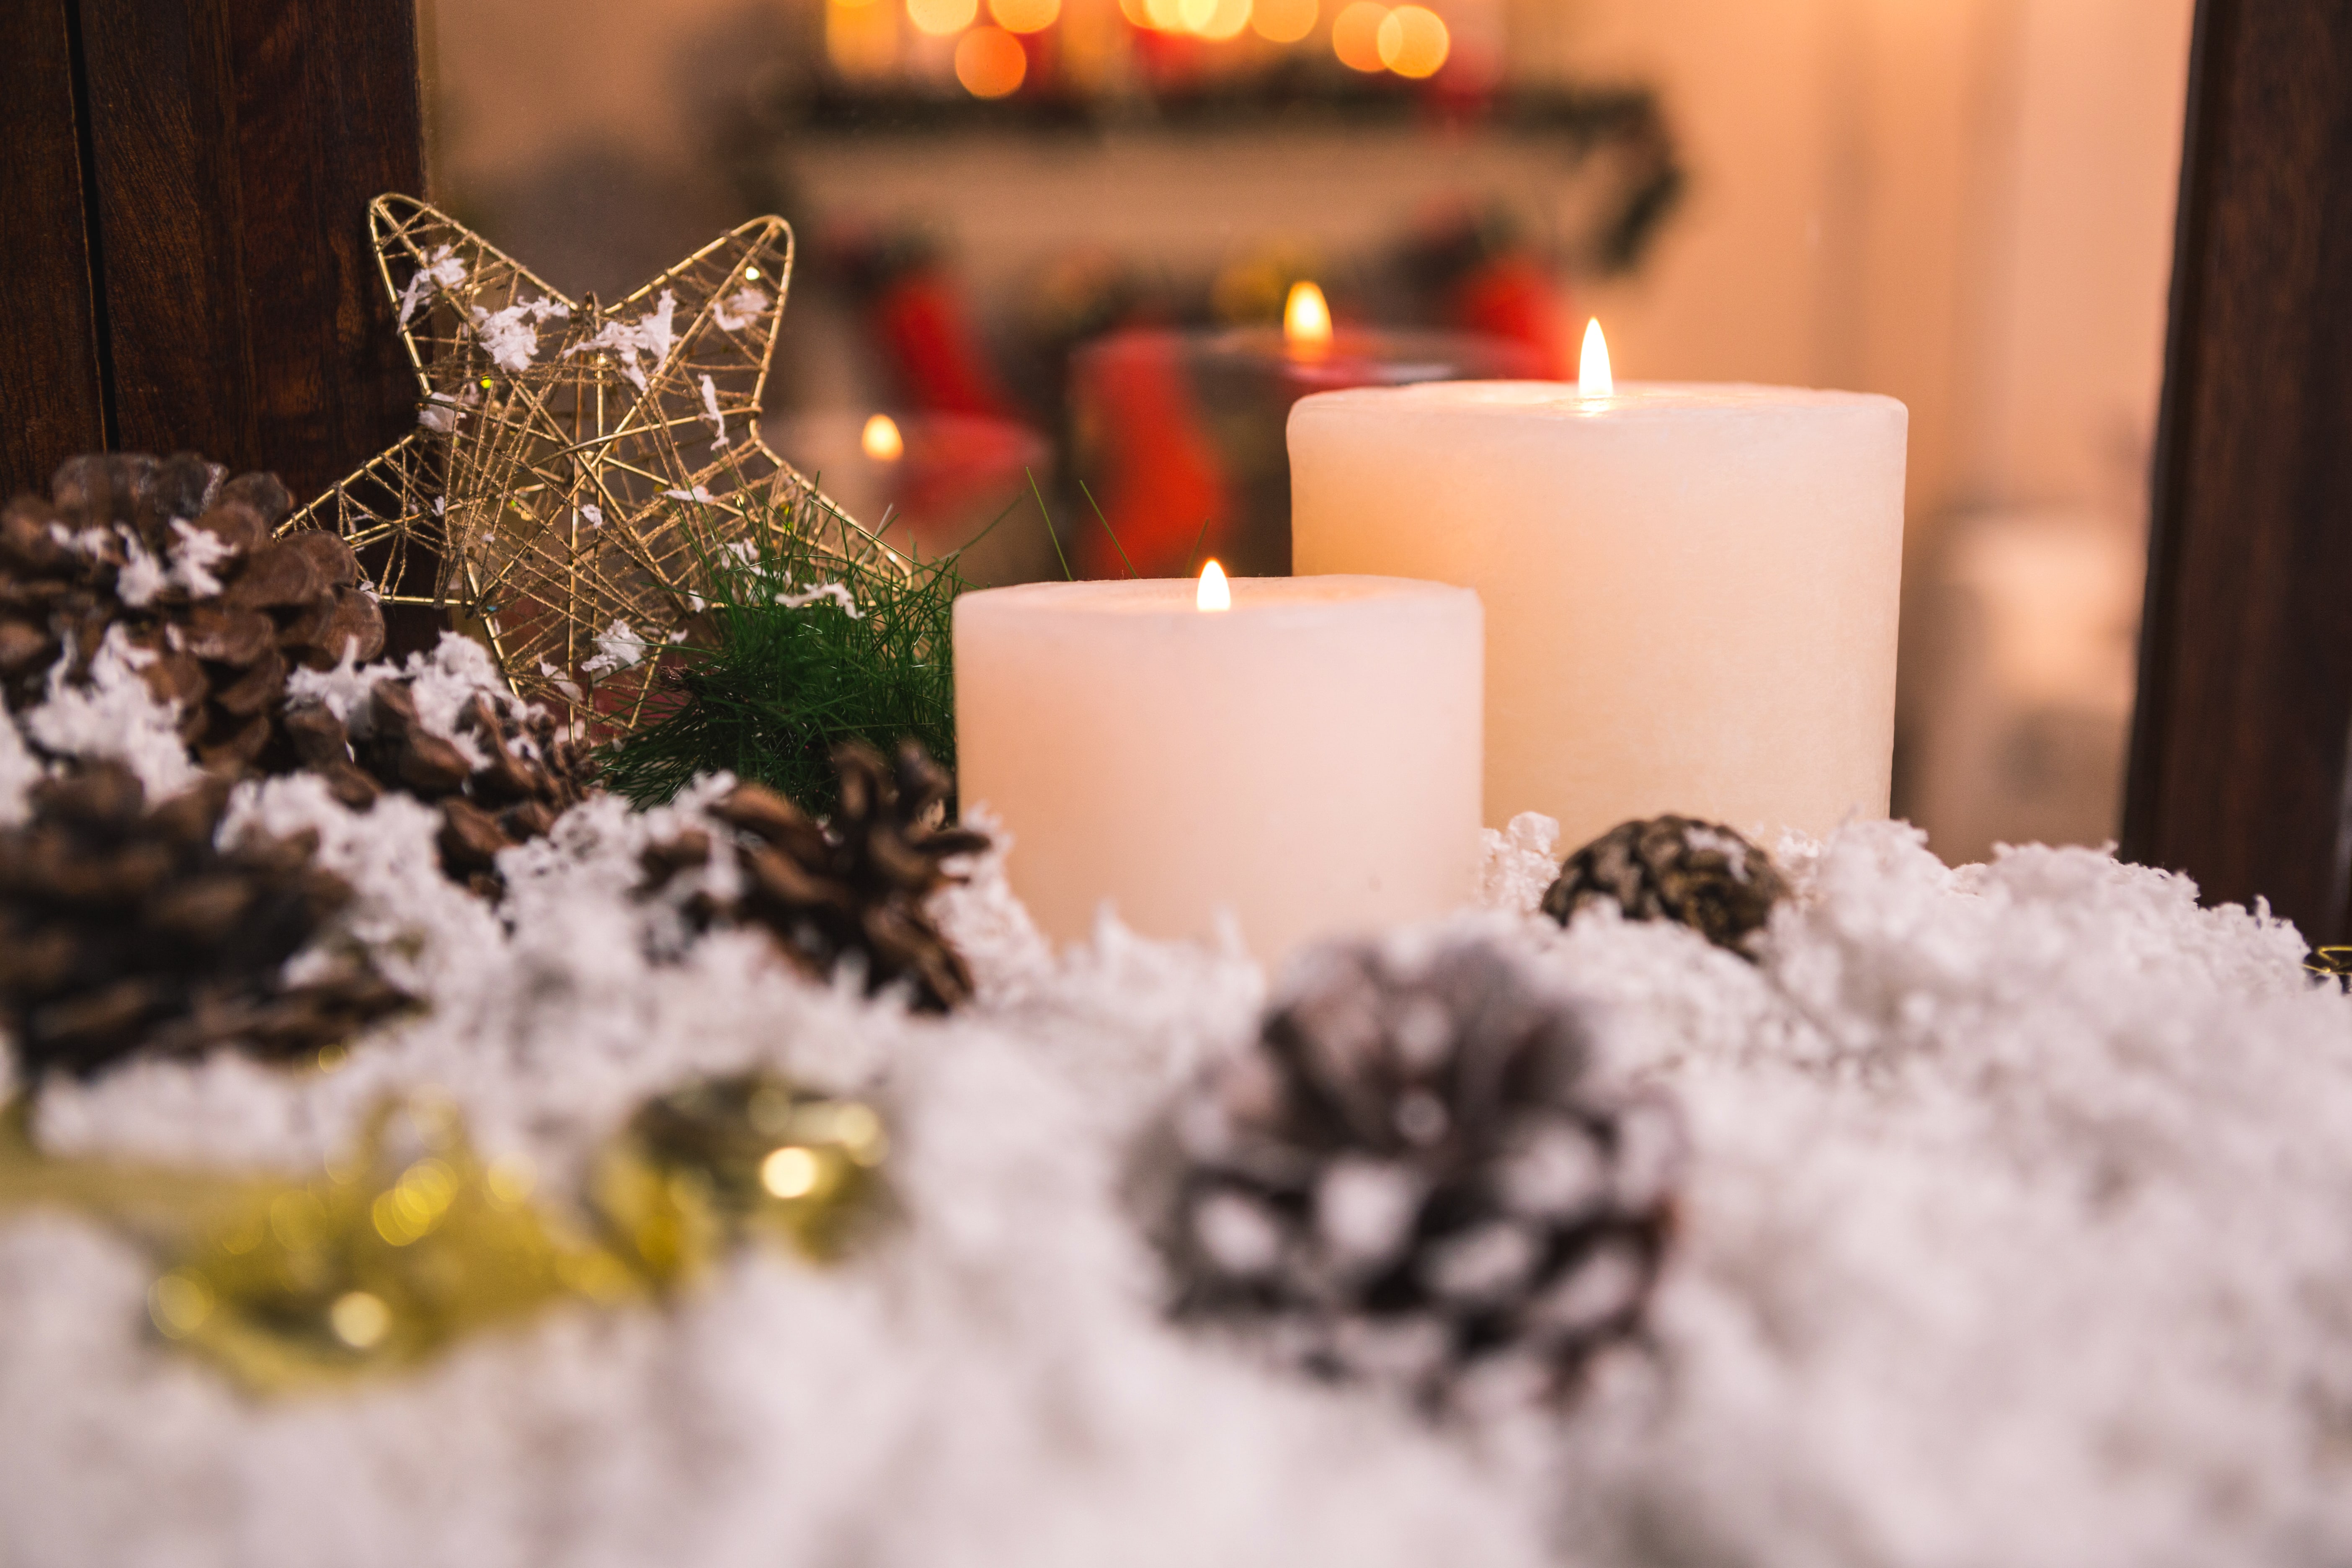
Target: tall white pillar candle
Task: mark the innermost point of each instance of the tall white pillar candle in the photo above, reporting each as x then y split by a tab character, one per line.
1690	590
1306	759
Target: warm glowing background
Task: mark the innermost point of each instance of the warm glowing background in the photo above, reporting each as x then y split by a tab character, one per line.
1966	203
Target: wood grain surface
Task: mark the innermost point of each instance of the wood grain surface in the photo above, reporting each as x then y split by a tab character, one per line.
236	144
52	399
2241	749
216	290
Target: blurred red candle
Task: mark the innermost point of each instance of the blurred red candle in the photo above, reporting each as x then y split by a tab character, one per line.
1178	436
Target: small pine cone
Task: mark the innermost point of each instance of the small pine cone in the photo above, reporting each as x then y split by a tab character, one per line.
1413	1179
124	929
856	884
1697	874
530	774
181	558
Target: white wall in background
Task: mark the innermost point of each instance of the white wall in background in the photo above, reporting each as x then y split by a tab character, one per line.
1966	203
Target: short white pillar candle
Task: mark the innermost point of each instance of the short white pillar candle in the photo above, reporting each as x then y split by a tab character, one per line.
1690	590
1306	759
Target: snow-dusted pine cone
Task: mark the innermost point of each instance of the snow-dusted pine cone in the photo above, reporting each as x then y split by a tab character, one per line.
503	773
124	928
1698	874
853	885
211	609
1414	1178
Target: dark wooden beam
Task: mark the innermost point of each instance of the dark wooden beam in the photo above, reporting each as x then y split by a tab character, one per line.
2241	748
52	393
185	264
236	146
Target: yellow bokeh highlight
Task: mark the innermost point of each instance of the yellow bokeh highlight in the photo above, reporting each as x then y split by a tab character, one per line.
359	1320
1025	16
179	1302
1356	35
1226	19
512	1178
1283	21
940	18
860	1132
790	1172
990	62
1413	41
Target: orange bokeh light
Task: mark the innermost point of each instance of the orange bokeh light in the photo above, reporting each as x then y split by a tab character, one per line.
1025	16
1413	41
1356	35
940	18
1283	21
881	439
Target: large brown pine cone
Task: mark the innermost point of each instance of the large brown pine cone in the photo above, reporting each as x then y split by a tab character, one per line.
124	929
854	884
1415	1179
1698	874
181	558
525	770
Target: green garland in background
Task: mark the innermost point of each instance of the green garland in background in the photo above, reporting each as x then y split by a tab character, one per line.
800	649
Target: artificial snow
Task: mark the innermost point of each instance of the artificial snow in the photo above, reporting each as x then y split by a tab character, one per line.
441	413
20	770
617	648
2016	1230
192	555
511	336
654	334
441	270
711	411
110	712
740	308
141	576
442	682
838	592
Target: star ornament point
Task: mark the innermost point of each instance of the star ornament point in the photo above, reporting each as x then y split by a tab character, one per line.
576	466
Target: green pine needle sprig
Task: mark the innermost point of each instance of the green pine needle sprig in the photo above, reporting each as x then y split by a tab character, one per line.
779	669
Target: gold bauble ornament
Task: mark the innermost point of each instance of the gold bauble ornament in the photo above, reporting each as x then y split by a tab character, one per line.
408	1240
724	1158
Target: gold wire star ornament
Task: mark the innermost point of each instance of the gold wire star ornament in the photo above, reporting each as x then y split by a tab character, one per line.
577	469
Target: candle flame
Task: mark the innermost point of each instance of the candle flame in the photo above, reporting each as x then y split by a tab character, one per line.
1306	318
882	441
1215	594
1593	376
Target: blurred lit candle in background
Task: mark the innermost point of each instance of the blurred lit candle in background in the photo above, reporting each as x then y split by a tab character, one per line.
1302	753
1178	435
1306	322
1690	590
936	480
881	441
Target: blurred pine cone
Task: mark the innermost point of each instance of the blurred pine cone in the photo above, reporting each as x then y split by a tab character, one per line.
506	772
1414	1179
219	614
854	885
123	928
181	558
1698	874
